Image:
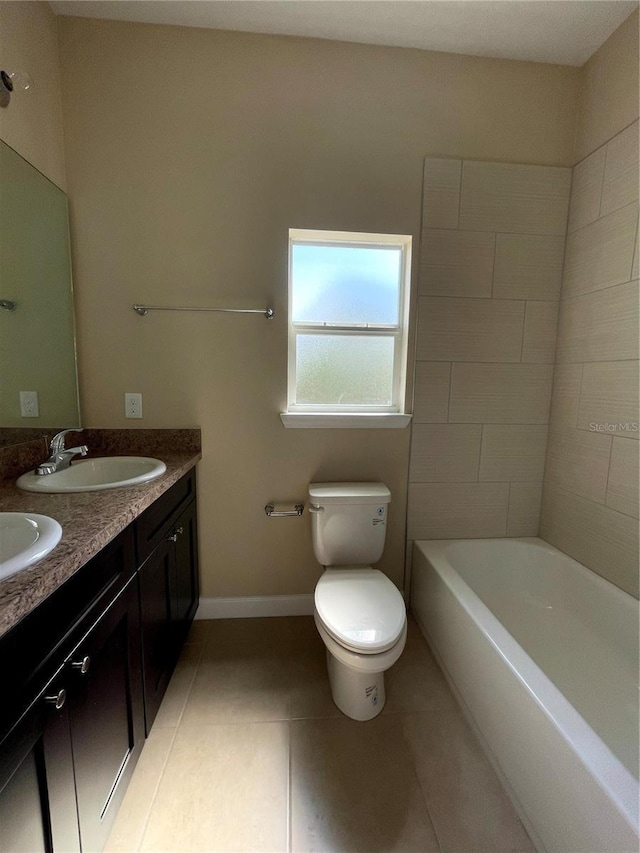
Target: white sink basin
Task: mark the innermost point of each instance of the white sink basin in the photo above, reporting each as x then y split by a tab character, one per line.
91	475
25	538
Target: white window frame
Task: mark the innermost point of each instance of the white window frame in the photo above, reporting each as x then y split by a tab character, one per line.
314	415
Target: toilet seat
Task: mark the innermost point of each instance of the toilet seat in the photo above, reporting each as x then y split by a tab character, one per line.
360	609
357	661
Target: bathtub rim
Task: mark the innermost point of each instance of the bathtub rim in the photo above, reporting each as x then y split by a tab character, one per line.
605	768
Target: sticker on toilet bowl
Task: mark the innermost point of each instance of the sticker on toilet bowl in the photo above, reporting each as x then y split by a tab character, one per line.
371	693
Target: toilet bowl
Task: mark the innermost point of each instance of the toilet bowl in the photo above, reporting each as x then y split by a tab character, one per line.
359	613
351	629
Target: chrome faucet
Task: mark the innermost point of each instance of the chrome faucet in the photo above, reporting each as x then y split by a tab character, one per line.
60	458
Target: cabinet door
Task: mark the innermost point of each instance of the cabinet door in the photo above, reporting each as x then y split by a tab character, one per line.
37	790
106	714
157	579
187	577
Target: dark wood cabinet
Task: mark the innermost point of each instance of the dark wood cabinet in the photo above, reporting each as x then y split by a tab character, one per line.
67	761
106	714
187	575
87	670
157	593
169	590
37	784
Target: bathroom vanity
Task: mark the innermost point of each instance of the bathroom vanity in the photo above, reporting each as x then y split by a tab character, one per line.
85	669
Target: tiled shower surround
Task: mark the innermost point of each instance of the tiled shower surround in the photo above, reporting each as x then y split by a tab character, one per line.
494	276
590	505
489	292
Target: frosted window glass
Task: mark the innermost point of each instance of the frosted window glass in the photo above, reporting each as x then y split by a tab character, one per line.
345	284
344	370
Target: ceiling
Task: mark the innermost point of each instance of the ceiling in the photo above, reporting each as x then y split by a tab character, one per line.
567	32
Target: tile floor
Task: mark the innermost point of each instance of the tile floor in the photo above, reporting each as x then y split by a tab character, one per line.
248	753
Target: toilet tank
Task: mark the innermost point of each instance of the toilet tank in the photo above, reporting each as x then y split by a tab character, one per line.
348	522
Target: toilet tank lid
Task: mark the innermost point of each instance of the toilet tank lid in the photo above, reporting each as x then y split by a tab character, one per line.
363	493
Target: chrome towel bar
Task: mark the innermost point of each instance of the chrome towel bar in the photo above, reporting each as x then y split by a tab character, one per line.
271	512
143	310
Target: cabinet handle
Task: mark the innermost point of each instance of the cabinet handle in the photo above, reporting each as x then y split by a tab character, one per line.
58	700
82	665
178	531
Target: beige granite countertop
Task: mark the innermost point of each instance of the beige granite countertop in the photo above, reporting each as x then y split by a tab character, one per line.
89	521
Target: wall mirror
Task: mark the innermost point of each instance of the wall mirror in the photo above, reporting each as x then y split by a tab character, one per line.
37	328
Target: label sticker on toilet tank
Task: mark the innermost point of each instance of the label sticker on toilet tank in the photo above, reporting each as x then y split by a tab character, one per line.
379	516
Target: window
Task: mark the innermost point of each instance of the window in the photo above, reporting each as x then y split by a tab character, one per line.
348	317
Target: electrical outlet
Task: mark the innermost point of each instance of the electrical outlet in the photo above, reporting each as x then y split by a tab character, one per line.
29	404
132	405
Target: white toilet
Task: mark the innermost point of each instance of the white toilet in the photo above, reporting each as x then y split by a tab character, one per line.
358	611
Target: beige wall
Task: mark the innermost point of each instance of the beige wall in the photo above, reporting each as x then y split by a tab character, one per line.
489	285
590	501
608	98
190	153
32	122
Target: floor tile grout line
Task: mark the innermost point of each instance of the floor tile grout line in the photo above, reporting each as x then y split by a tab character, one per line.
187	693
156	789
421	789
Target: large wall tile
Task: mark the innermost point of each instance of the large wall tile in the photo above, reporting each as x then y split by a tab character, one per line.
578	461
444	453
457	510
514	199
524	509
456	263
586	190
609	398
565	399
431	392
635	266
488	309
621	172
500	393
600	255
512	452
540	328
595	535
528	266
622	488
470	329
591	474
599	326
441	192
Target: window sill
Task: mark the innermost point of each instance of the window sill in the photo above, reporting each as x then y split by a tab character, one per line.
352	420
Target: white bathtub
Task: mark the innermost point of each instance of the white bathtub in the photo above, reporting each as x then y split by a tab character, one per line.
543	656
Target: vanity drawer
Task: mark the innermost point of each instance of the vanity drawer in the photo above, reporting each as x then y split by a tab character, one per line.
154	524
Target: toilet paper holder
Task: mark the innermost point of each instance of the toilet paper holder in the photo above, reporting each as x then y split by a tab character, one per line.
271	512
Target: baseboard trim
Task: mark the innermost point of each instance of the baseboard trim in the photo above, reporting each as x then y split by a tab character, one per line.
253	606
